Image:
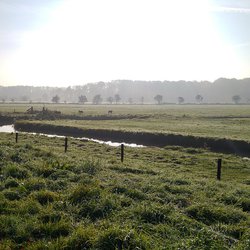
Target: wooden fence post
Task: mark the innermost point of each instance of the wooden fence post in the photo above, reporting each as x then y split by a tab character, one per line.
122	152
219	169
16	137
66	144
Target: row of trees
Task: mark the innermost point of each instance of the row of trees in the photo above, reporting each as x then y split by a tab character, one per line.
97	99
181	100
219	91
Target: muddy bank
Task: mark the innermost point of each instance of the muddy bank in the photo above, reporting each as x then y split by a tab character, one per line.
238	147
5	120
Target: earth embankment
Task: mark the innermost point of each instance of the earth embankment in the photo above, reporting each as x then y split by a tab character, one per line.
222	145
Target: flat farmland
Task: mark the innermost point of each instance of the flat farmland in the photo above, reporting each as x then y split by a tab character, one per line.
220	121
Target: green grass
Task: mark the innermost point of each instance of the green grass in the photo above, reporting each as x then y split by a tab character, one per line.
223	121
158	198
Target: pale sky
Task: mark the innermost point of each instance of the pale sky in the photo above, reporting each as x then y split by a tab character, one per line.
71	42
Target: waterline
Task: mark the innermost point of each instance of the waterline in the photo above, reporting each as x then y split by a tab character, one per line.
7	129
11	129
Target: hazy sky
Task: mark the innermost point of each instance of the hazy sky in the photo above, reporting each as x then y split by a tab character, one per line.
69	42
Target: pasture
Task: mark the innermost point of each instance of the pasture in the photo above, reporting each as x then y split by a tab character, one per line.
220	121
158	198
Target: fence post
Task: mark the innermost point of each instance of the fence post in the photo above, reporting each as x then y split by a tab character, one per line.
219	169
122	152
66	144
16	137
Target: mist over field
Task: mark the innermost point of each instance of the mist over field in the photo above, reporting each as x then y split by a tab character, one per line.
137	92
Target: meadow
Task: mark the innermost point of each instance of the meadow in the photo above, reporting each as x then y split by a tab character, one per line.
158	198
219	121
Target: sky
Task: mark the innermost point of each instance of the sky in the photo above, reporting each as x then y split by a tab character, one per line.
72	42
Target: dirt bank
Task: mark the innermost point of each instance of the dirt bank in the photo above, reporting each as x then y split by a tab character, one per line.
238	147
5	120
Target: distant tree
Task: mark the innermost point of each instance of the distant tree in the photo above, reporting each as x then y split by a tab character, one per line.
3	100
199	98
181	100
24	98
236	99
12	99
97	99
130	100
142	100
158	98
55	99
82	99
117	98
110	99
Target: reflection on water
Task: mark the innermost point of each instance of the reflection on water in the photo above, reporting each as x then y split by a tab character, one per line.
7	129
110	143
10	129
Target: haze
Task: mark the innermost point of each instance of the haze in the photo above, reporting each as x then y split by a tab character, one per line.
62	43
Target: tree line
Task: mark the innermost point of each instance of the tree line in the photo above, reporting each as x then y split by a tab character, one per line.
135	92
97	99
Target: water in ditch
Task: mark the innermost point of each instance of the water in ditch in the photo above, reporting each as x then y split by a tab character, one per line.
11	129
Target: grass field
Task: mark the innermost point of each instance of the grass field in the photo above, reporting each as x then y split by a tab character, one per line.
158	198
223	121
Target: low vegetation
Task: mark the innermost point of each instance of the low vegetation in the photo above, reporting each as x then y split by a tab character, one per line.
220	121
158	198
